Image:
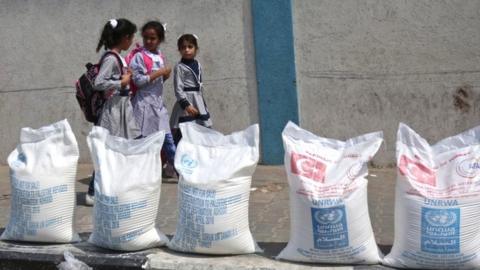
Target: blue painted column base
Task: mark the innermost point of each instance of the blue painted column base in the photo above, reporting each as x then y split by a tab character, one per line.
275	71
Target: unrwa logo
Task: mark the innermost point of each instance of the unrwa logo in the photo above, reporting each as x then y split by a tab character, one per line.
188	162
21	157
20	161
330	216
469	167
440	217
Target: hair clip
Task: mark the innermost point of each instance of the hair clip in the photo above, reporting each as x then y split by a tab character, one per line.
164	27
113	23
195	36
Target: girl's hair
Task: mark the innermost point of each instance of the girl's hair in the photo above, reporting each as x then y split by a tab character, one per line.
112	36
158	27
188	38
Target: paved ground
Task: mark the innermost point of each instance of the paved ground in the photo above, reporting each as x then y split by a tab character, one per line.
269	222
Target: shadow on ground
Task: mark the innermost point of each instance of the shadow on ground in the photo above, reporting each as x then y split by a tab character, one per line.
29	255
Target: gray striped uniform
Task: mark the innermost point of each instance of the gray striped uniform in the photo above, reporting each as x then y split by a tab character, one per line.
188	91
148	106
117	112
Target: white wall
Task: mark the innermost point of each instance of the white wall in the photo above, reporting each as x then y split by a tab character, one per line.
366	65
45	45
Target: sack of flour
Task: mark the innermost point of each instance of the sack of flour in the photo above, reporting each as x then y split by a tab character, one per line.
128	177
214	189
42	175
437	202
329	220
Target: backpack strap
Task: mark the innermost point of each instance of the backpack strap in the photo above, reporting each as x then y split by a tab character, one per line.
146	59
120	63
106	94
132	53
148	62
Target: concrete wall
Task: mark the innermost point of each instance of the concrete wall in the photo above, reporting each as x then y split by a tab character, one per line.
45	45
366	65
361	66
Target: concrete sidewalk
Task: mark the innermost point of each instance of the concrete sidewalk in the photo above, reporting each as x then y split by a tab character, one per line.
269	223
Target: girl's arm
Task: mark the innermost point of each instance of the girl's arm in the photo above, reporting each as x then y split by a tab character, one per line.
165	72
178	87
140	76
167	75
104	80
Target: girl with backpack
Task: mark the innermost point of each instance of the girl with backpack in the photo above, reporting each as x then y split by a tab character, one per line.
149	72
113	80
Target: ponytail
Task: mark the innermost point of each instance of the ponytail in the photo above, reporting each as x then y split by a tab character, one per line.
114	31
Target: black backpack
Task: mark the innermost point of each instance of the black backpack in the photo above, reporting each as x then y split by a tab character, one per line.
91	101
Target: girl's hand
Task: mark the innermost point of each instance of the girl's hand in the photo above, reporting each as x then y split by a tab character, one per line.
160	73
126	79
167	71
191	111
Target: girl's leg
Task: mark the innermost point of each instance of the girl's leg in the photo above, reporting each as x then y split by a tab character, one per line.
91	186
169	150
89	197
177	135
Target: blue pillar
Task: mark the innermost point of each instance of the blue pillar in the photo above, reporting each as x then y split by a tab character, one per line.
275	71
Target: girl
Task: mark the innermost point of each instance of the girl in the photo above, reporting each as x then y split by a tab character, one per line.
187	82
113	79
149	72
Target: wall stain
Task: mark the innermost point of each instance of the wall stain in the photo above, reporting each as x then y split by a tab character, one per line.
461	98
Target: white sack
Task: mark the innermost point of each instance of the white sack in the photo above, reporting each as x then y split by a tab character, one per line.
328	198
128	178
437	202
42	175
214	189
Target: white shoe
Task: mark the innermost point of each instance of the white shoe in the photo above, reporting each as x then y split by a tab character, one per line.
89	199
